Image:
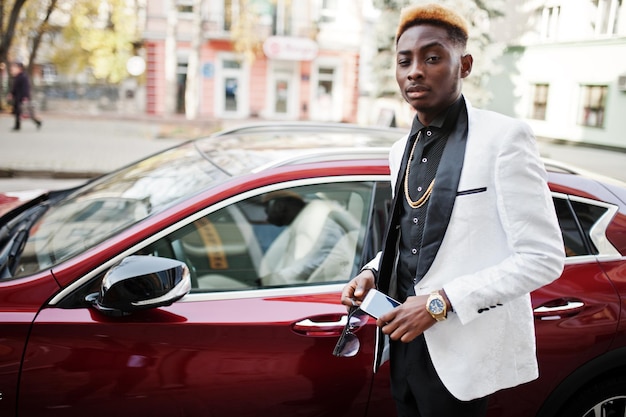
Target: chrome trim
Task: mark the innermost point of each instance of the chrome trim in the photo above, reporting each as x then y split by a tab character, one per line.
316	324
569	306
208	210
582	259
264	293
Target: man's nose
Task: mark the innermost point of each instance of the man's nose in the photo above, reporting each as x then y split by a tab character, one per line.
415	71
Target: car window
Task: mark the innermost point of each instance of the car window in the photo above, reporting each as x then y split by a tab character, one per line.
577	219
572	237
588	216
101	208
291	236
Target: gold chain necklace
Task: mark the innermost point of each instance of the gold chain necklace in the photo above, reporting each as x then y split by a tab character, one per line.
424	198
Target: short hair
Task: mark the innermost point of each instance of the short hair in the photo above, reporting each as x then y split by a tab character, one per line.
436	15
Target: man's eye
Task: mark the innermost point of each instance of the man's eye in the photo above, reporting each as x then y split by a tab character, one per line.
404	62
433	58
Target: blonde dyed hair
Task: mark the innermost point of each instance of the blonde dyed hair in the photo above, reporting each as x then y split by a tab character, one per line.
437	15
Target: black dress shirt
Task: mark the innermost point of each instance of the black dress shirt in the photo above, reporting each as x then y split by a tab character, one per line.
422	171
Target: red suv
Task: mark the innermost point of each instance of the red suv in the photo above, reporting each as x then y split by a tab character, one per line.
205	281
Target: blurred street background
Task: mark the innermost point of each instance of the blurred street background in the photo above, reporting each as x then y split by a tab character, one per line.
116	80
69	148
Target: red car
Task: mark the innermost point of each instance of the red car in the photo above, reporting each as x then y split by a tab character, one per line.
205	281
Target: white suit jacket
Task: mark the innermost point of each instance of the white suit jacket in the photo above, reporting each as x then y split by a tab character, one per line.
502	242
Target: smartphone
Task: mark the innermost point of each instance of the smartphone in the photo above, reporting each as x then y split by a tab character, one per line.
376	303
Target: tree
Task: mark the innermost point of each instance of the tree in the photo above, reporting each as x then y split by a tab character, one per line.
34	25
480	45
9	15
100	35
246	32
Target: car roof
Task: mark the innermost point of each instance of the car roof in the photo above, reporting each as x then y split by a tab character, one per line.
301	142
255	148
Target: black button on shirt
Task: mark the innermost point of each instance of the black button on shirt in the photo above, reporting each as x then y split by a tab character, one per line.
422	170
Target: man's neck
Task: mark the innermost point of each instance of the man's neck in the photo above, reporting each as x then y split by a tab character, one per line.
437	119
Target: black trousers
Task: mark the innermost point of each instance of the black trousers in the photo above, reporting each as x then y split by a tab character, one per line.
417	389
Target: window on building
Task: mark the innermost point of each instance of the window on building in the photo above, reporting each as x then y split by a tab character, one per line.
181	85
325	101
184	6
232	81
550	22
592	105
328	11
281	24
326	77
607	12
231	11
540	102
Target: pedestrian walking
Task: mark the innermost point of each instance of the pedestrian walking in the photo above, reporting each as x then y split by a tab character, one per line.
20	96
472	232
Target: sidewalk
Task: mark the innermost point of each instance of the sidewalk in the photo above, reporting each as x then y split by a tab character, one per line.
69	146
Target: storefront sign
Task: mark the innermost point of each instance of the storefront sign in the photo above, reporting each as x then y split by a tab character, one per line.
290	48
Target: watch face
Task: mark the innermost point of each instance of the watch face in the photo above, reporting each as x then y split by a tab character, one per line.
436	306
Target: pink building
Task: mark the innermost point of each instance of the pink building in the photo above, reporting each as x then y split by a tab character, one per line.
308	70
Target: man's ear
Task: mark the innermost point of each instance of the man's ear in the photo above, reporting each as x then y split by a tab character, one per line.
467	61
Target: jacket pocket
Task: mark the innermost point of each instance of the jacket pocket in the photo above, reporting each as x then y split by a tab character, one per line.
472	191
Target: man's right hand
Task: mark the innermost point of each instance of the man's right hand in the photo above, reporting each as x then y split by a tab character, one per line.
354	292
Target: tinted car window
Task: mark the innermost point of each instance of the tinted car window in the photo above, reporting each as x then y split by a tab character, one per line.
577	219
241	246
588	215
572	238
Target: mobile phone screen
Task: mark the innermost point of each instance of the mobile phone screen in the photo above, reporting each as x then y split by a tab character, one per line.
376	303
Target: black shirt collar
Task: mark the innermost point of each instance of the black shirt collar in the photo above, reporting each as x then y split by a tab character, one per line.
445	120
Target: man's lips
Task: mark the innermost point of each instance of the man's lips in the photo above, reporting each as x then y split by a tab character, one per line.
416	90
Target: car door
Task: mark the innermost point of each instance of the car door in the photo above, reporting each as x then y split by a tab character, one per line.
576	316
240	343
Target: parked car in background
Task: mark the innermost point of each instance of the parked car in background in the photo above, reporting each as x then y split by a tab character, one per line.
163	289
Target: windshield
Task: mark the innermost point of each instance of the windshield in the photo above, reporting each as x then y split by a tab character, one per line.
102	208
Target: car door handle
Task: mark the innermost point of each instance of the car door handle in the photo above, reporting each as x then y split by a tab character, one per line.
326	325
556	309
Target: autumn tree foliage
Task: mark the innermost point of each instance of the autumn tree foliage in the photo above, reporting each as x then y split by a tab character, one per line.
99	35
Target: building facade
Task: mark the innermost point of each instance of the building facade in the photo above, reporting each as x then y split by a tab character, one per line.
306	66
564	69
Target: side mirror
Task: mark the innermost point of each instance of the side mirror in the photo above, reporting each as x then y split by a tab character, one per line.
140	283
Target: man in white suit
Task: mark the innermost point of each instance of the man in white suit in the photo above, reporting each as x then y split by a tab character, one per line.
472	232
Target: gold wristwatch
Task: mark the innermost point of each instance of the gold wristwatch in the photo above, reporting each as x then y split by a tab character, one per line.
436	306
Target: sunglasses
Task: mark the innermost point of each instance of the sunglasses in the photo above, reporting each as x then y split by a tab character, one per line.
348	344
